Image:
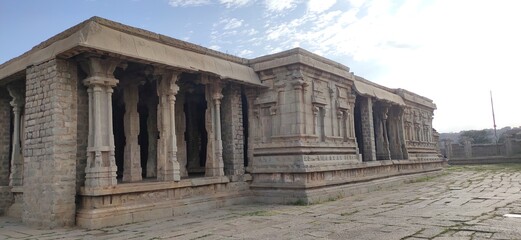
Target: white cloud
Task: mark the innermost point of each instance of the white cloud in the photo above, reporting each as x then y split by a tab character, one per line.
250	32
231	23
320	5
215	47
245	53
280	5
356	3
188	3
234	3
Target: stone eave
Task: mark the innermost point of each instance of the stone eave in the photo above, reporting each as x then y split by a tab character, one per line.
413	98
300	56
111	37
370	89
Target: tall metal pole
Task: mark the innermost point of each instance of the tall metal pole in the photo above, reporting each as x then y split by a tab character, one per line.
494	120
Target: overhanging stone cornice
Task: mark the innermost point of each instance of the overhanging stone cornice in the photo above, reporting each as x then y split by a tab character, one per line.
118	39
300	56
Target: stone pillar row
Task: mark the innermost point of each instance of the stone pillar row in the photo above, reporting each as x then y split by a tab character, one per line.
101	165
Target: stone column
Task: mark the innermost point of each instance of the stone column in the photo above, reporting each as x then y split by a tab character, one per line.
467	146
250	97
381	138
101	163
167	164
448	148
152	137
215	163
508	145
132	151
298	87
366	109
180	121
17	161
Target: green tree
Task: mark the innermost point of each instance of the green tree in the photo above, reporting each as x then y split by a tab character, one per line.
477	136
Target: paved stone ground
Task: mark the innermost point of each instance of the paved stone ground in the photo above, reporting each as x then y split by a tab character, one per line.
465	203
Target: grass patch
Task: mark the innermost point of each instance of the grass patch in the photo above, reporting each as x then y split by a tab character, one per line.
299	202
427	178
500	167
262	213
348	213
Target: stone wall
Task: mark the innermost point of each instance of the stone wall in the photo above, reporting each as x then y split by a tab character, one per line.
232	130
50	145
5	138
6	198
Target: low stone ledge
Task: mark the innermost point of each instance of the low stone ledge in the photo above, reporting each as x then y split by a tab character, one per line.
347	166
335	182
122	188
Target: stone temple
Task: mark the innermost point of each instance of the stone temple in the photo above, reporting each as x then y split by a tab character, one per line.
106	124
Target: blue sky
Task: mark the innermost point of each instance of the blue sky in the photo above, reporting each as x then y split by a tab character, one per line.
453	52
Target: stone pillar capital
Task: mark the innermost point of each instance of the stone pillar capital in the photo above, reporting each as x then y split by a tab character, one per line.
17	93
217	97
98	81
167	81
98	66
298	84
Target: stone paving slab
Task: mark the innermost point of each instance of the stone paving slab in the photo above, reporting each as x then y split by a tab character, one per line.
464	203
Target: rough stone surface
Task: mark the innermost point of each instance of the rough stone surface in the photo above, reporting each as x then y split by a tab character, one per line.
463	203
5	138
50	145
232	132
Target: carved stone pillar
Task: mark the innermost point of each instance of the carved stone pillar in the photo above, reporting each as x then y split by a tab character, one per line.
132	151
17	161
152	137
214	161
101	164
167	164
180	130
253	124
298	86
381	137
396	133
366	109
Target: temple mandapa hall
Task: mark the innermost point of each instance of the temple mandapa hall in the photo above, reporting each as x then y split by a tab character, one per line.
106	124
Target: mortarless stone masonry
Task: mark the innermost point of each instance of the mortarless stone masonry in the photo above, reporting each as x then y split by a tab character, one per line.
50	146
101	87
6	197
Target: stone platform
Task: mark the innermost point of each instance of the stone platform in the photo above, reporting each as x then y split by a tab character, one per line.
467	202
